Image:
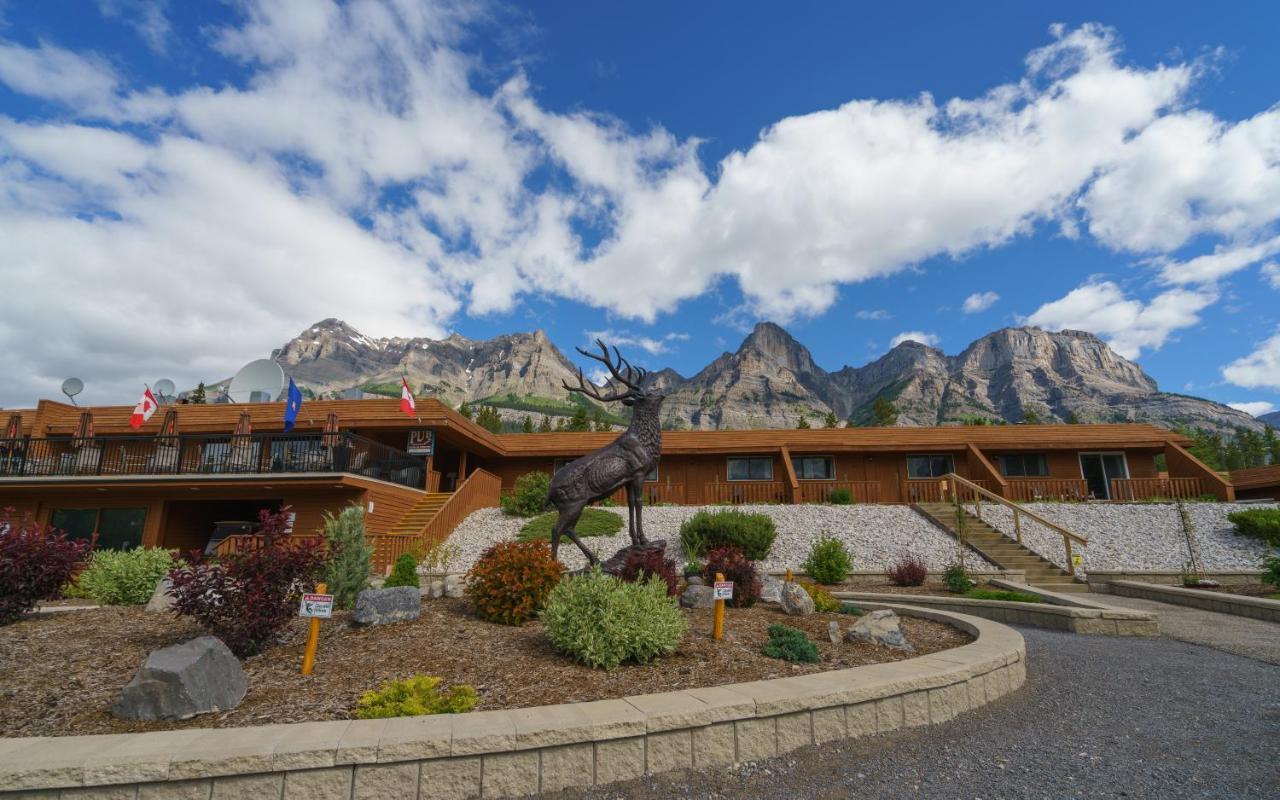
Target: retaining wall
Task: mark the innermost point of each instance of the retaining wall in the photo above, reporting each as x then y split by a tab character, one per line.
1239	605
523	751
1098	621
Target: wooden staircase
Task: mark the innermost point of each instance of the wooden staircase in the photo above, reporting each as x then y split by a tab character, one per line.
416	518
1000	549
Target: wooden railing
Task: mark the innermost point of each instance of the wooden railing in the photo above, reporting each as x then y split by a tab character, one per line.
248	542
744	492
962	486
820	491
654	493
930	490
481	489
1029	490
1131	489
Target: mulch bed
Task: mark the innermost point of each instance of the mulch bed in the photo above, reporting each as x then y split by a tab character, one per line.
60	673
884	587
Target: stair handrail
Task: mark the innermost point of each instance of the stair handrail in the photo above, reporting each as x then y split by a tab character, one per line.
1067	536
480	489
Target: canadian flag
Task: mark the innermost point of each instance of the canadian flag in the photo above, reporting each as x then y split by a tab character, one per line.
406	397
144	409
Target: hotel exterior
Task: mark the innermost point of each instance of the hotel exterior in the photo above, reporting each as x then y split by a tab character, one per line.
195	476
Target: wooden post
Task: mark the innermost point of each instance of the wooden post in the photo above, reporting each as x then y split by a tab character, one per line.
717	624
1017	525
313	638
790	577
1071	567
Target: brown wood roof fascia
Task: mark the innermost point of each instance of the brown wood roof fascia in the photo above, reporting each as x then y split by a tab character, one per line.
1256	477
151	482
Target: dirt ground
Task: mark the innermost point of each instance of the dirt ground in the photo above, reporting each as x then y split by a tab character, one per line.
60	673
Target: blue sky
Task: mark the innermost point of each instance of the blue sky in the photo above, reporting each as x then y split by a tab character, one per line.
187	185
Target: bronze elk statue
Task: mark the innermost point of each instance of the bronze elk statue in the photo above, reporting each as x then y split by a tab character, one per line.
624	462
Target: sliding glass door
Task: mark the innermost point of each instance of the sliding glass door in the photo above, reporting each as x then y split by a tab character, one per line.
1099	469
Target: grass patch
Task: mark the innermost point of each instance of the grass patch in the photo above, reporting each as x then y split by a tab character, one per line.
593	522
1002	594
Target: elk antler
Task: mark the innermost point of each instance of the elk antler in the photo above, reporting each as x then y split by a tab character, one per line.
630	377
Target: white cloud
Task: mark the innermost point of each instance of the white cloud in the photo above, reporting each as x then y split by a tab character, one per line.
929	339
1128	325
1254	408
147	17
979	301
623	339
87	83
1259	369
1271	271
1223	261
873	314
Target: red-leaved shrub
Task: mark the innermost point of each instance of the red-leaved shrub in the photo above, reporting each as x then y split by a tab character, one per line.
730	562
641	564
35	562
910	570
510	581
247	598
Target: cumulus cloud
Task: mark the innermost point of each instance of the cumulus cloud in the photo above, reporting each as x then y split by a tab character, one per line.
623	339
1271	271
1254	408
979	301
873	314
929	339
1128	325
1260	369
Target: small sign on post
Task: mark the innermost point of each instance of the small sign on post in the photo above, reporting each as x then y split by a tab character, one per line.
723	590
317	606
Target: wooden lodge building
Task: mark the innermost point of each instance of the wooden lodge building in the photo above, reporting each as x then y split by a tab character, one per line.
198	474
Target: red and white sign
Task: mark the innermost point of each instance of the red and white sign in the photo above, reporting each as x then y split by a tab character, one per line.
144	410
406	397
316	605
722	590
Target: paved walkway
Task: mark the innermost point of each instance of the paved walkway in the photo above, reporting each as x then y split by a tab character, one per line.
1253	638
1099	717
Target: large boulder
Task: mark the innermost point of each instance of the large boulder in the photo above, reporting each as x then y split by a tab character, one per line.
795	600
880	628
184	680
698	597
384	606
161	600
770	589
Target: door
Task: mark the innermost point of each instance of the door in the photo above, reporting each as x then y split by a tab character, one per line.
1099	469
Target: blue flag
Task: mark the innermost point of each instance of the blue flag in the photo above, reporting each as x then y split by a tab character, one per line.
292	405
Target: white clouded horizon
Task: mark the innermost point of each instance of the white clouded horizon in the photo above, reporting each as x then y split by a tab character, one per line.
1254	408
1258	370
930	339
360	173
979	301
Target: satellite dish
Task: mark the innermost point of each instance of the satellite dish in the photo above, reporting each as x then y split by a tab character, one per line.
165	389
72	387
258	381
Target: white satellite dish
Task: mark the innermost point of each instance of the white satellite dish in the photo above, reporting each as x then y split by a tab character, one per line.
259	381
72	387
164	390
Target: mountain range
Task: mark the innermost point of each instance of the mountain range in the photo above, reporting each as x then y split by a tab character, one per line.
771	380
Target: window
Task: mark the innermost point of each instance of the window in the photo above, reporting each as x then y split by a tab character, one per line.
652	475
118	528
751	469
814	468
1024	465
929	466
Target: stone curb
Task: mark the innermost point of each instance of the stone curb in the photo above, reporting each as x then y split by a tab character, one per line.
1102	621
530	750
1238	605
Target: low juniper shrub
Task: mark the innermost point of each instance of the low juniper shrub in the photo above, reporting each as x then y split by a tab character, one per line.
753	534
850	609
909	570
790	644
730	562
1259	523
511	581
404	572
640	565
828	561
35	562
412	697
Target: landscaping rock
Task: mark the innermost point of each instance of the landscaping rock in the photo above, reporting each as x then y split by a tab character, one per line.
698	597
880	628
453	586
796	601
834	633
184	680
770	589
696	580
384	606
160	598
434	589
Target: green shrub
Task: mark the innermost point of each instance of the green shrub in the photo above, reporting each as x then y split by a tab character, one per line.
1271	570
957	579
840	496
850	609
823	601
511	581
1260	523
601	621
528	497
828	561
346	571
753	534
404	572
414	697
734	566
1003	594
593	522
124	577
790	644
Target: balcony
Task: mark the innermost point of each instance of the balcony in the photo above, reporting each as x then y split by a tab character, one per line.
219	454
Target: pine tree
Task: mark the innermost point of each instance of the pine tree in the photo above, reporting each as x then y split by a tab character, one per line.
1031	416
562	424
350	560
803	424
883	412
198	396
579	421
598	422
526	425
830	420
545	425
1272	443
465	410
489	419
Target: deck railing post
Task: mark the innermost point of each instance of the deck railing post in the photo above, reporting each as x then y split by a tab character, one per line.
1017	525
1071	567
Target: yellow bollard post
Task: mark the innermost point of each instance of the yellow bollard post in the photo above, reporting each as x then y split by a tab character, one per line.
790	577
717	625
313	638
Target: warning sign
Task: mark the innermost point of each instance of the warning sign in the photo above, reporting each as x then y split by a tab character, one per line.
723	590
316	605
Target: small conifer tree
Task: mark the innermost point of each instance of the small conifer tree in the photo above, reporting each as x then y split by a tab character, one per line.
526	424
350	559
830	420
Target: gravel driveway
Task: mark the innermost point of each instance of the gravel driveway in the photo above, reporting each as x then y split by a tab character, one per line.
1098	717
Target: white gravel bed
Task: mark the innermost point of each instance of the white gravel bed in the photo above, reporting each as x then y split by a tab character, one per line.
1139	536
876	535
